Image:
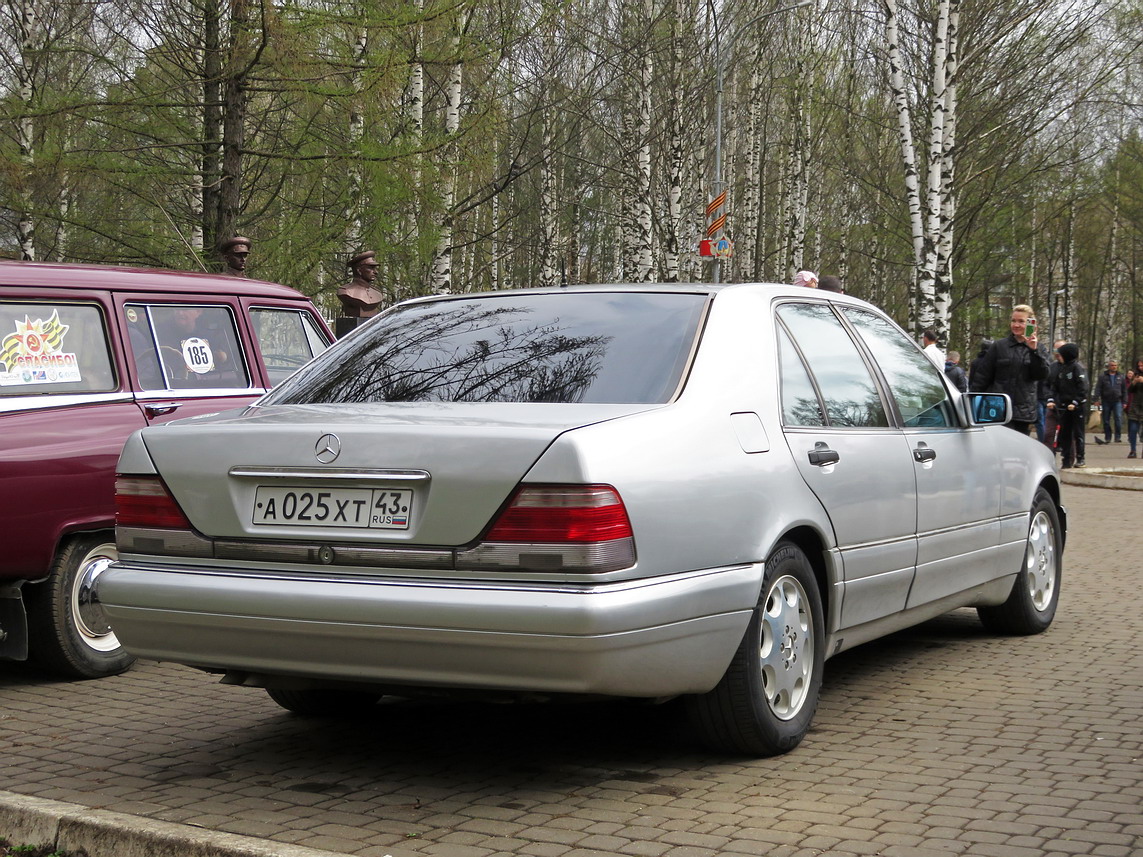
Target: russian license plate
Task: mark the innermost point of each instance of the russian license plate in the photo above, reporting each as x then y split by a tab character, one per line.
376	508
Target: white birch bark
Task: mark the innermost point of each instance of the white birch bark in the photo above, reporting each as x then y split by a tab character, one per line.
675	150
494	245
943	273
904	134
417	89
797	183
1115	318
644	265
28	33
441	270
934	188
547	205
355	133
636	125
746	245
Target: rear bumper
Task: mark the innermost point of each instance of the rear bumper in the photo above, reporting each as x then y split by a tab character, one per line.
652	637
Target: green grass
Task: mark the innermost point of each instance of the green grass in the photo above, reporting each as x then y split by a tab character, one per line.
7	849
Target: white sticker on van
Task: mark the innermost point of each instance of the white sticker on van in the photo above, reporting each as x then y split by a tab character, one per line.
197	355
34	354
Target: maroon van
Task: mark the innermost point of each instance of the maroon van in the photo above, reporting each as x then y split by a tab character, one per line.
88	355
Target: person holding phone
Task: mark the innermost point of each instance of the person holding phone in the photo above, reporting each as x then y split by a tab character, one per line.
1014	365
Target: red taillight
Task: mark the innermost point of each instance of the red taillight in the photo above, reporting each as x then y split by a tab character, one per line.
562	513
143	501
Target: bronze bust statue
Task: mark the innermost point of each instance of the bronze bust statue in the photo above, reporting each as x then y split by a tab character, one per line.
359	297
234	252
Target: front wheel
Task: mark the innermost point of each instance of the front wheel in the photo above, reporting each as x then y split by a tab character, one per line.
1031	606
765	702
68	629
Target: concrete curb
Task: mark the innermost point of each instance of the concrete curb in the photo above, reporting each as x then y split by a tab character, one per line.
103	833
1100	477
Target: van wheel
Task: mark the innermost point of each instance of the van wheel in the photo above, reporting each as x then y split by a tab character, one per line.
67	627
766	700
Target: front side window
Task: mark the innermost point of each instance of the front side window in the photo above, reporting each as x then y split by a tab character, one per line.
54	348
848	391
288	340
913	380
184	346
578	347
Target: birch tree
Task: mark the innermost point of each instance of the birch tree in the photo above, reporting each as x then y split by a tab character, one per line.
441	272
29	45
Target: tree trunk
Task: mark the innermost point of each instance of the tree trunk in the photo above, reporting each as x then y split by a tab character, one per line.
211	176
29	27
234	96
355	132
905	137
943	274
441	272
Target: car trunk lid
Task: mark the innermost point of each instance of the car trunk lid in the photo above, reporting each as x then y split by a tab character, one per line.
409	473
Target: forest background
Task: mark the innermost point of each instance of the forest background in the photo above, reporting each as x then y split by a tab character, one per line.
946	158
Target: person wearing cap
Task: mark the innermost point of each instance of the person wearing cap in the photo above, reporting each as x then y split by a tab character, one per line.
234	252
806	278
359	297
1068	398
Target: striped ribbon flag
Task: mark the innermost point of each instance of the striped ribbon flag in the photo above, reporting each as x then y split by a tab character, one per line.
716	225
716	203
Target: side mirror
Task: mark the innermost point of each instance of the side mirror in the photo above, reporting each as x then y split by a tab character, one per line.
987	408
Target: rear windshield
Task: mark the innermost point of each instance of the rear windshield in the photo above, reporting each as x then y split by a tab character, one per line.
579	347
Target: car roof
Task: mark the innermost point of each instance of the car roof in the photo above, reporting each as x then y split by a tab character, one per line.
772	289
109	278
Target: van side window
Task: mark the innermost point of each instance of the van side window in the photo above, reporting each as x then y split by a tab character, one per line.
287	339
185	346
54	348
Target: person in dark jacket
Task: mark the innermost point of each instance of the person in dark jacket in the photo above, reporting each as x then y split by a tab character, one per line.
954	372
1051	418
1069	400
1013	365
1112	391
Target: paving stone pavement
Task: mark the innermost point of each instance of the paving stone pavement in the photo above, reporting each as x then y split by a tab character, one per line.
941	740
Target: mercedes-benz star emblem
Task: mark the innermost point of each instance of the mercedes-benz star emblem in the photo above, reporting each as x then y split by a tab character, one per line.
328	448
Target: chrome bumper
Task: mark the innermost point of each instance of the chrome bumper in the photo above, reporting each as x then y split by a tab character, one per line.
651	637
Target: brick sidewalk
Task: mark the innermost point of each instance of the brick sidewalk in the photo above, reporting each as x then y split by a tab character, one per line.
941	740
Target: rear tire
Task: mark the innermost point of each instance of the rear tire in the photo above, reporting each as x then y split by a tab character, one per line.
68	630
1031	606
315	702
765	702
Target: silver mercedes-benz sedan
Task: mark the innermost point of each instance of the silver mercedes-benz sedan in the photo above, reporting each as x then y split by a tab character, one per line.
639	491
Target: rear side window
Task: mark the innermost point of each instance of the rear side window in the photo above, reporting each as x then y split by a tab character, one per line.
288	340
849	394
54	348
185	346
579	347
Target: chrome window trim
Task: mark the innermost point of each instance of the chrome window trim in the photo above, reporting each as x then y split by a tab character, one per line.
204	393
44	401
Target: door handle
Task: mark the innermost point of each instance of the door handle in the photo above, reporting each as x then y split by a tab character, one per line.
922	453
823	455
159	410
